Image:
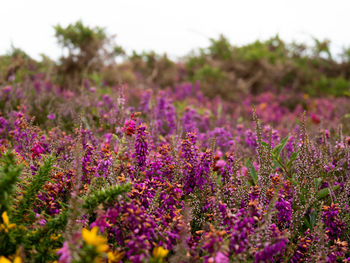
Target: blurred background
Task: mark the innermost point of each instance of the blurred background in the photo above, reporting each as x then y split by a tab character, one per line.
174	27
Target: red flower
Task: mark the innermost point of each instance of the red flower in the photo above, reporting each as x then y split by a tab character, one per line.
37	150
315	119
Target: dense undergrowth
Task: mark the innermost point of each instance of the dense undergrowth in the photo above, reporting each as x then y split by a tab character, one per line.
236	154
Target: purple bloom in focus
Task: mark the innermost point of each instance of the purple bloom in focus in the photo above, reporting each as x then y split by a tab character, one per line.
141	146
284	216
334	226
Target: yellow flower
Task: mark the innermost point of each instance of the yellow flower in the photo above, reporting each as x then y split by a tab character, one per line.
115	256
4	260
160	252
6	225
91	238
55	237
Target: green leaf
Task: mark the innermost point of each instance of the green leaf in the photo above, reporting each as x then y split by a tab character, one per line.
292	158
313	219
265	144
279	148
218	179
325	192
252	171
318	182
307	223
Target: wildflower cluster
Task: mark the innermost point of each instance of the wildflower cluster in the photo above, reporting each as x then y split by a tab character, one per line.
85	177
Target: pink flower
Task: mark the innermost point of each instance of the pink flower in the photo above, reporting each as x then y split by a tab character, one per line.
51	116
37	150
65	256
221	258
220	163
315	119
129	127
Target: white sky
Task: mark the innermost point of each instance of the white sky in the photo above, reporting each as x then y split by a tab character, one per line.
175	26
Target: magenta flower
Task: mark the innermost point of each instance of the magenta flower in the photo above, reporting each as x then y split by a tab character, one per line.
129	127
36	150
65	256
51	116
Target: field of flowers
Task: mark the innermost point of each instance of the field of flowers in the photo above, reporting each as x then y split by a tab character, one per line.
158	161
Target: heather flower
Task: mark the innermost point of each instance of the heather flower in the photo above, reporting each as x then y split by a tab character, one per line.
271	249
51	116
129	127
64	253
222	137
165	115
189	153
221	257
338	250
303	246
100	223
334	226
201	175
251	139
315	118
37	149
284	215
190	119
145	101
241	229
141	146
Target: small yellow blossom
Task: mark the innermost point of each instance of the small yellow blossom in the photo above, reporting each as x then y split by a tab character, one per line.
115	256
55	237
160	252
91	238
4	260
6	226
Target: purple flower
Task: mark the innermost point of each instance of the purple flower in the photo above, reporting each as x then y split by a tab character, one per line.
129	127
51	116
284	216
334	226
141	146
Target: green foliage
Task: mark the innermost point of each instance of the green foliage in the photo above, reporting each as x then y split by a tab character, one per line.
9	176
212	80
31	190
337	86
78	35
253	173
323	193
90	49
220	49
270	50
250	68
104	196
15	52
